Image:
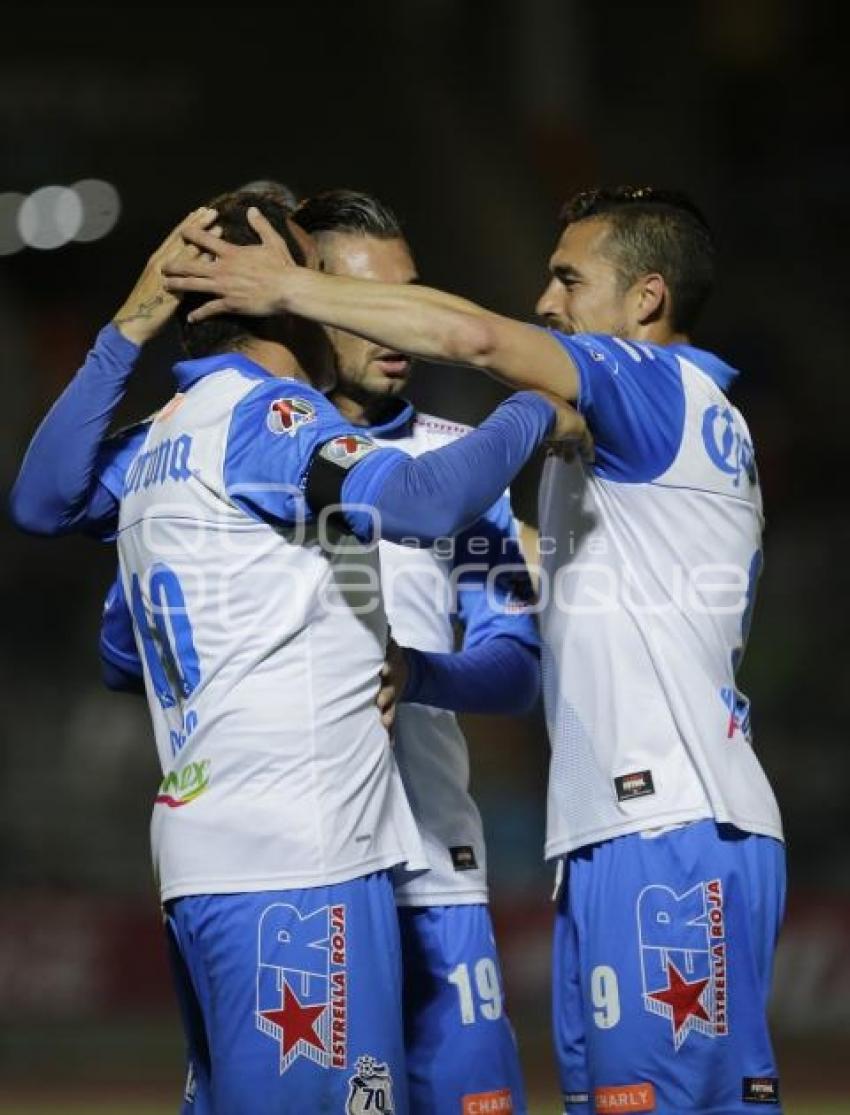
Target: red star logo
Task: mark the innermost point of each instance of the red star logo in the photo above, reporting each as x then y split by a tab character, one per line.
682	997
297	1022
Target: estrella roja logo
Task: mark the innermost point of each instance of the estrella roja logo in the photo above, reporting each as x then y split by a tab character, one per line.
682	941
302	985
181	786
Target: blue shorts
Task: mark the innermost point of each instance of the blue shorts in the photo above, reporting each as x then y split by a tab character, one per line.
461	1051
291	1000
663	954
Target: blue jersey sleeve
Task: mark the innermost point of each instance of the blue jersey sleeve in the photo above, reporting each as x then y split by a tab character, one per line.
633	398
280	430
275	432
99	515
121	666
57	489
495	595
497	670
441	492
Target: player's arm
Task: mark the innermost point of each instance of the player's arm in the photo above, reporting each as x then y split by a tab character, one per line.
263	279
321	463
120	664
497	669
57	489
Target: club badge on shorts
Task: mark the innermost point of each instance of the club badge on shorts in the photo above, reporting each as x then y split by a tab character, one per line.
370	1089
302	990
682	941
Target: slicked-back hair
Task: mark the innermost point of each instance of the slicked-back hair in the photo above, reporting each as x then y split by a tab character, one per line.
654	230
348	211
229	332
284	194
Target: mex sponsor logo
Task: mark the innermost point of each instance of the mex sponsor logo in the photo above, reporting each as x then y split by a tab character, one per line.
184	785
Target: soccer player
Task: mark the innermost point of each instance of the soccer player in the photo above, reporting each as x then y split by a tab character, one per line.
245	523
459	1043
661	818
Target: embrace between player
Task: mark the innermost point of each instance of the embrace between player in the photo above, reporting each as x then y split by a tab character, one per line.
660	817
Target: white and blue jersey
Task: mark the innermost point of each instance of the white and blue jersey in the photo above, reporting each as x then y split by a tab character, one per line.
460	1045
472	580
650	562
427	590
261	644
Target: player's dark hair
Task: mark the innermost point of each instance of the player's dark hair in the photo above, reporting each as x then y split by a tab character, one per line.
279	190
654	230
230	332
348	211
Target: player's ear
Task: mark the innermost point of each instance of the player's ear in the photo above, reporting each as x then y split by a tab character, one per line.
652	298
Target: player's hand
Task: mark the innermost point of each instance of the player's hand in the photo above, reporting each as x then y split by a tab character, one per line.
240	279
394	674
149	305
570	437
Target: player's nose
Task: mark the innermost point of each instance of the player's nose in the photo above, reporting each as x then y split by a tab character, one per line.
548	304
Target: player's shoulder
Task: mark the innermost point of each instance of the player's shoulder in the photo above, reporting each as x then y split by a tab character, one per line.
271	387
616	352
283	406
438	430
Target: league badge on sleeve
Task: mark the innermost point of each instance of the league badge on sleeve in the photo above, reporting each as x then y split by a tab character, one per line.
683	958
287	416
370	1089
347	450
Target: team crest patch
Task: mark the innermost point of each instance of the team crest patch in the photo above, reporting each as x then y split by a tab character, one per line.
683	958
370	1089
287	416
302	992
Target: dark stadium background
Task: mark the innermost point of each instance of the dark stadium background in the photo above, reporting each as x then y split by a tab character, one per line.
475	121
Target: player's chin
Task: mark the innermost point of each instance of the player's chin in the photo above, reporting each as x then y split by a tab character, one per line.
390	382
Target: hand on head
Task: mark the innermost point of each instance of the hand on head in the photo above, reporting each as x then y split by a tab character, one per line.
150	304
241	279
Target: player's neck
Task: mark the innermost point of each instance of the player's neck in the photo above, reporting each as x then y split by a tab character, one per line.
276	358
360	411
659	333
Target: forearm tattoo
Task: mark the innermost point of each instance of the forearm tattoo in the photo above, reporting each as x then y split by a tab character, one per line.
144	310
